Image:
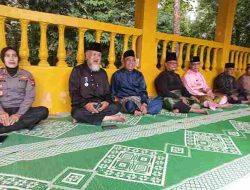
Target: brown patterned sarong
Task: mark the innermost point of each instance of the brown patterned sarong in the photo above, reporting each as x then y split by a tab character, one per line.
135	99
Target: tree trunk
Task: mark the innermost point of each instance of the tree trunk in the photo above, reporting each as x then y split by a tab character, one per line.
177	17
177	21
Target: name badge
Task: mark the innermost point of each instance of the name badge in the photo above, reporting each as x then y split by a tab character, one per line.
86	81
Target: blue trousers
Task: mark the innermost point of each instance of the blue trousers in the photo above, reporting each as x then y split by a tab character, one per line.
154	106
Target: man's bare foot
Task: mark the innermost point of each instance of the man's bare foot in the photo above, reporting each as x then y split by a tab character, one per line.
118	118
245	101
203	111
197	110
176	111
226	105
137	113
74	121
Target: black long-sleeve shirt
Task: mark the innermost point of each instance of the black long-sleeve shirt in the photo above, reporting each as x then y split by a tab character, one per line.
225	84
87	86
167	81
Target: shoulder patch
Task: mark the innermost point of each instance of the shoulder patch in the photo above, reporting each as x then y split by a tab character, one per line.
32	81
3	71
24	72
2	77
22	77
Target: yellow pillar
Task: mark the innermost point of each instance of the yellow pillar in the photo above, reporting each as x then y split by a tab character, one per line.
61	52
43	51
80	50
232	56
134	40
214	63
98	36
187	58
207	63
163	53
146	19
181	45
224	28
111	57
24	46
2	35
202	55
125	44
196	47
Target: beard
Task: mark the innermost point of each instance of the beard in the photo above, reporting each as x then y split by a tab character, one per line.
94	67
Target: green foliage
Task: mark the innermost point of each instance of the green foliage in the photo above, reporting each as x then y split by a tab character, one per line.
205	23
166	12
120	12
116	11
241	31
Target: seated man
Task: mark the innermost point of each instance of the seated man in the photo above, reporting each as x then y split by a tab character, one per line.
17	93
129	88
169	85
90	91
196	85
243	84
225	83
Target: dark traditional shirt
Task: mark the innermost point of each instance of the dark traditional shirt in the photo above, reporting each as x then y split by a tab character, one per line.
225	84
88	86
243	85
129	83
168	81
16	91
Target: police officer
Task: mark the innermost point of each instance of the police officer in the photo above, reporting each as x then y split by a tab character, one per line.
17	93
90	91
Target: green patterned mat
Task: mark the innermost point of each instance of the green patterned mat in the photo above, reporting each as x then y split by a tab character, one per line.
167	151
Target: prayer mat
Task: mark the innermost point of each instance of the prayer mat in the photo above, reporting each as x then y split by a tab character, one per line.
164	151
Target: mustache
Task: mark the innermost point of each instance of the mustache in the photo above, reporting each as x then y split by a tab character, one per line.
94	67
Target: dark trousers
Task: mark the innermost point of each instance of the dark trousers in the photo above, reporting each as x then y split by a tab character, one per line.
239	101
84	116
232	101
27	121
182	107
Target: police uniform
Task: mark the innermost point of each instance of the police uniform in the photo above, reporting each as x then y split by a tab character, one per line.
17	93
87	86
